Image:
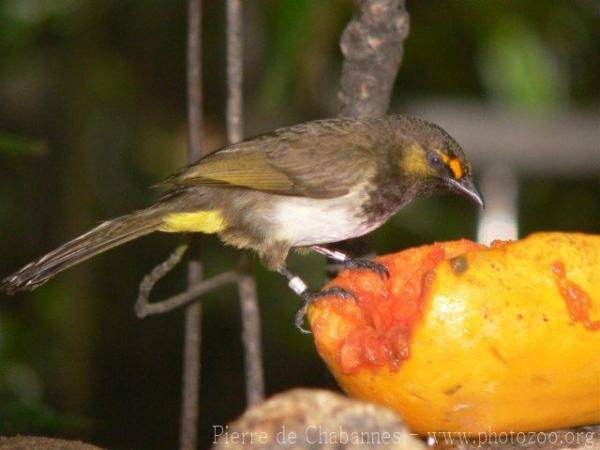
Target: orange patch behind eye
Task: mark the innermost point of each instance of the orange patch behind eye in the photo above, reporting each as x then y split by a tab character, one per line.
455	168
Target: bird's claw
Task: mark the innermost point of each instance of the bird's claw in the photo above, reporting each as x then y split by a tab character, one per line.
367	264
309	297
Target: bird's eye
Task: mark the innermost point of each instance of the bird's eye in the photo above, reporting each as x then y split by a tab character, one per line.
436	161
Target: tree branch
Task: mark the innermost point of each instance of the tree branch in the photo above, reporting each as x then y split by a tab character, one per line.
193	315
372	45
255	384
251	339
142	304
145	308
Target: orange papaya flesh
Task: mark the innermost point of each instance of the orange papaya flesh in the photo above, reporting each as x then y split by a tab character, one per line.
463	337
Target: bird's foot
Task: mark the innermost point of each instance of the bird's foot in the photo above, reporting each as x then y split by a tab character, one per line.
309	297
367	264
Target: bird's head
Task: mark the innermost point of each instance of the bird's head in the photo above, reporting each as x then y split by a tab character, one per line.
434	160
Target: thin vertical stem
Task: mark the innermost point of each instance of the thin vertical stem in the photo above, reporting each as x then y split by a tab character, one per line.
235	74
194	80
193	314
191	366
255	384
251	338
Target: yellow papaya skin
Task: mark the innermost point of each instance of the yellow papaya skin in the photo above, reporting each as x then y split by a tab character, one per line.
498	346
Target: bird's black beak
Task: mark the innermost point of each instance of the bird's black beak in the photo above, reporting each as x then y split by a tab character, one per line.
466	187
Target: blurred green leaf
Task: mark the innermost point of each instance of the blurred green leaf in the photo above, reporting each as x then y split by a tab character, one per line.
518	69
290	29
15	145
35	418
34	11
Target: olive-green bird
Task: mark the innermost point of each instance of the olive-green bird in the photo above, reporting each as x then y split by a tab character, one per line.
303	186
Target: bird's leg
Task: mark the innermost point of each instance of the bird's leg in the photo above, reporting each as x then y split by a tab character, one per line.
299	287
336	255
351	263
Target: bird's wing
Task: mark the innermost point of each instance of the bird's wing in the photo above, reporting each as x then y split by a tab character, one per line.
299	161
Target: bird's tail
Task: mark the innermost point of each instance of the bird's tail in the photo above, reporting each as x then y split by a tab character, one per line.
105	236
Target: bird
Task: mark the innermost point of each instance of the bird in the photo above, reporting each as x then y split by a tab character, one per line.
305	186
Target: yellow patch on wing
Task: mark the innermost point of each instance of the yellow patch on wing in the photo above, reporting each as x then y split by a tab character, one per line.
201	221
249	169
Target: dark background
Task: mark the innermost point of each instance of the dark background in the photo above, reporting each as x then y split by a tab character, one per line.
92	112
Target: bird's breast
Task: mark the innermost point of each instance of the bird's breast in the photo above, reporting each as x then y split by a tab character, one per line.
307	221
